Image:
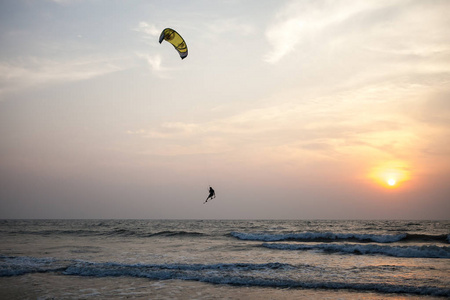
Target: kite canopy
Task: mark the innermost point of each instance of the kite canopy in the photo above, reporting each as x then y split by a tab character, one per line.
173	37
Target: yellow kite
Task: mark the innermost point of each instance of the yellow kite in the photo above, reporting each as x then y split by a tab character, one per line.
176	40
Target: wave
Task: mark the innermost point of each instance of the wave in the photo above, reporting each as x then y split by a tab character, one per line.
397	251
20	265
443	238
106	233
241	274
177	233
154	271
13	266
330	236
319	237
228	274
167	233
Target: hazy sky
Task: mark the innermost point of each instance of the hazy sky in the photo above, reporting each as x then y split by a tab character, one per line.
289	109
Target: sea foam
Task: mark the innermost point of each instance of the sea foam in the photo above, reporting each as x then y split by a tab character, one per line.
319	236
245	274
397	251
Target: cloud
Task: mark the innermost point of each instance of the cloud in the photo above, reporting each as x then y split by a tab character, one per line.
181	139
168	130
154	61
148	29
33	71
395	28
374	120
155	64
150	33
302	22
283	38
232	25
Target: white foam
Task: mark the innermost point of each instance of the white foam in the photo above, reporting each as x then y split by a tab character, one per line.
397	251
12	266
247	274
268	237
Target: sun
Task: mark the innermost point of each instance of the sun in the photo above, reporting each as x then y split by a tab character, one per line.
391	174
391	181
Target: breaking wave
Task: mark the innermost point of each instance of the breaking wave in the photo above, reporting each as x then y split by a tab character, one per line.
20	265
106	233
243	274
397	251
330	237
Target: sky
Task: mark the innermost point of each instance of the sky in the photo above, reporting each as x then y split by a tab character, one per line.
306	109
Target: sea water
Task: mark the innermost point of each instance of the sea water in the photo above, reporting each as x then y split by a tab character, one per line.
198	259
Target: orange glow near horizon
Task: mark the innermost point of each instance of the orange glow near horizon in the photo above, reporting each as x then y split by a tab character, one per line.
391	174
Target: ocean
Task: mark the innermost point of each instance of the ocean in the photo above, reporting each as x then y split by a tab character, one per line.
224	259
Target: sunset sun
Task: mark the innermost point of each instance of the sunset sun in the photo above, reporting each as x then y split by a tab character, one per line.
392	181
391	174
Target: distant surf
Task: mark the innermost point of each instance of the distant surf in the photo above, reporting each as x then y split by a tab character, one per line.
108	233
397	251
331	237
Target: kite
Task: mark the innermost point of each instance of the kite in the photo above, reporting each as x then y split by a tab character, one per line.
173	37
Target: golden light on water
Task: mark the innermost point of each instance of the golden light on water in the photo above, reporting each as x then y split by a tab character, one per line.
391	174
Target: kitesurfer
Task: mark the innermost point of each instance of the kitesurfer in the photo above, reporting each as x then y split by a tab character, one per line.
212	194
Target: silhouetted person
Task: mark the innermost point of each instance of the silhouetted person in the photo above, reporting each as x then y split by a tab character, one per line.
212	195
